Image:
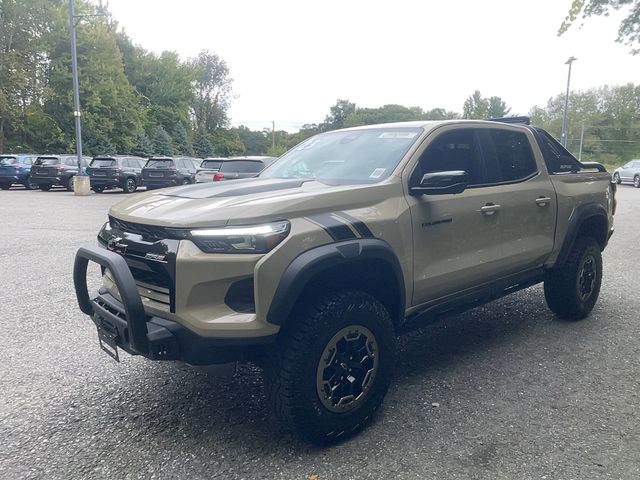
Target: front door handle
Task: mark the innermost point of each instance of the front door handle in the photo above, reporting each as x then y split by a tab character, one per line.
543	201
490	208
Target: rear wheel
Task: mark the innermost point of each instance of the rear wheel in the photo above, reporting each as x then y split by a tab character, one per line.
69	184
45	187
5	186
636	181
29	185
572	291
130	185
616	178
331	368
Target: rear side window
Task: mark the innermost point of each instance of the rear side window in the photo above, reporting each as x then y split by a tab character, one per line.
452	150
160	164
556	157
507	155
242	166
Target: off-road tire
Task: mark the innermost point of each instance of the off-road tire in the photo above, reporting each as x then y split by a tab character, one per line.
562	287
616	178
636	181
292	366
130	185
98	188
45	187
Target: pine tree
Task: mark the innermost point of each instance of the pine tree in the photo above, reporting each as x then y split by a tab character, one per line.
143	147
162	142
202	145
181	140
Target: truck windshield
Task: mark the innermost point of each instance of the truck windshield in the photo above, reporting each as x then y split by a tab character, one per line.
345	157
103	163
8	160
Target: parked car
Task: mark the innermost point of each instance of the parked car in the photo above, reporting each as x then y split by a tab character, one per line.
242	167
161	172
50	170
16	169
207	168
628	173
122	171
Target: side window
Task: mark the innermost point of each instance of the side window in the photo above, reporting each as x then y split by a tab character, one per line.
180	164
507	155
452	150
72	162
556	157
141	162
28	160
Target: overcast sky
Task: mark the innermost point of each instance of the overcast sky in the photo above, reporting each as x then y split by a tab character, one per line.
292	59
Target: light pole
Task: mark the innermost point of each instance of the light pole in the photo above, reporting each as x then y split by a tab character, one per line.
76	89
565	120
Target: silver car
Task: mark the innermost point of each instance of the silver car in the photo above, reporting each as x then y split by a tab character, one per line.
207	169
628	173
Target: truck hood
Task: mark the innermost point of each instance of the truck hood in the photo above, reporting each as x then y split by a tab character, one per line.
247	201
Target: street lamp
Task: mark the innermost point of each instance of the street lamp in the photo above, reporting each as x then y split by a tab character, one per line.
81	180
565	120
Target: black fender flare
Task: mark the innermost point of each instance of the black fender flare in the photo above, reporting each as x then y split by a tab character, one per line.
316	260
581	214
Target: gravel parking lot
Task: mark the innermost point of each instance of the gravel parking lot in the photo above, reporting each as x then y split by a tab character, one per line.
502	391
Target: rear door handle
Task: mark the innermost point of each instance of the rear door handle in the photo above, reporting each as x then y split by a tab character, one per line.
543	201
490	208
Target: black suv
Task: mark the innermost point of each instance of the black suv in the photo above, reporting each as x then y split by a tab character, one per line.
122	171
50	170
162	172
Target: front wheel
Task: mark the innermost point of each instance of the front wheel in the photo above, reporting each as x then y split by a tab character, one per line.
98	188
29	185
130	185
636	181
331	367
45	187
572	291
616	178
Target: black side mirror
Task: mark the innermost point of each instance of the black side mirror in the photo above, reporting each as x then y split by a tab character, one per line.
441	183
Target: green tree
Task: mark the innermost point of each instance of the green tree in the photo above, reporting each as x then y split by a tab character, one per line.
255	142
112	114
475	106
143	146
203	145
24	42
212	91
497	108
162	142
629	30
181	140
338	114
226	143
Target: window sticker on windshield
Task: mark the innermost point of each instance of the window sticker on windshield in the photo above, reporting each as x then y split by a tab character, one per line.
397	134
377	173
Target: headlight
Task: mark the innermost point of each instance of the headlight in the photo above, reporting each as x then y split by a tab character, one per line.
249	239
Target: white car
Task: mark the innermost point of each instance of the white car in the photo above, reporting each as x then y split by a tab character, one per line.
628	173
207	169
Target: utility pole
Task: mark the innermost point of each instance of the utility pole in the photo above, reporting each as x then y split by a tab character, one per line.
565	120
581	141
76	88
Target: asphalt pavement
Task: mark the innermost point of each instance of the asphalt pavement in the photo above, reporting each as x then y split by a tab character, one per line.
504	391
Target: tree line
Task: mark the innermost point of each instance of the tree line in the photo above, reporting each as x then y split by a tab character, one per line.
138	102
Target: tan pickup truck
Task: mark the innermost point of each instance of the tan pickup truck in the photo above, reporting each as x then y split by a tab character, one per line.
353	237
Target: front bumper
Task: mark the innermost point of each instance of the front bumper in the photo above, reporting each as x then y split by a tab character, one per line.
130	328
